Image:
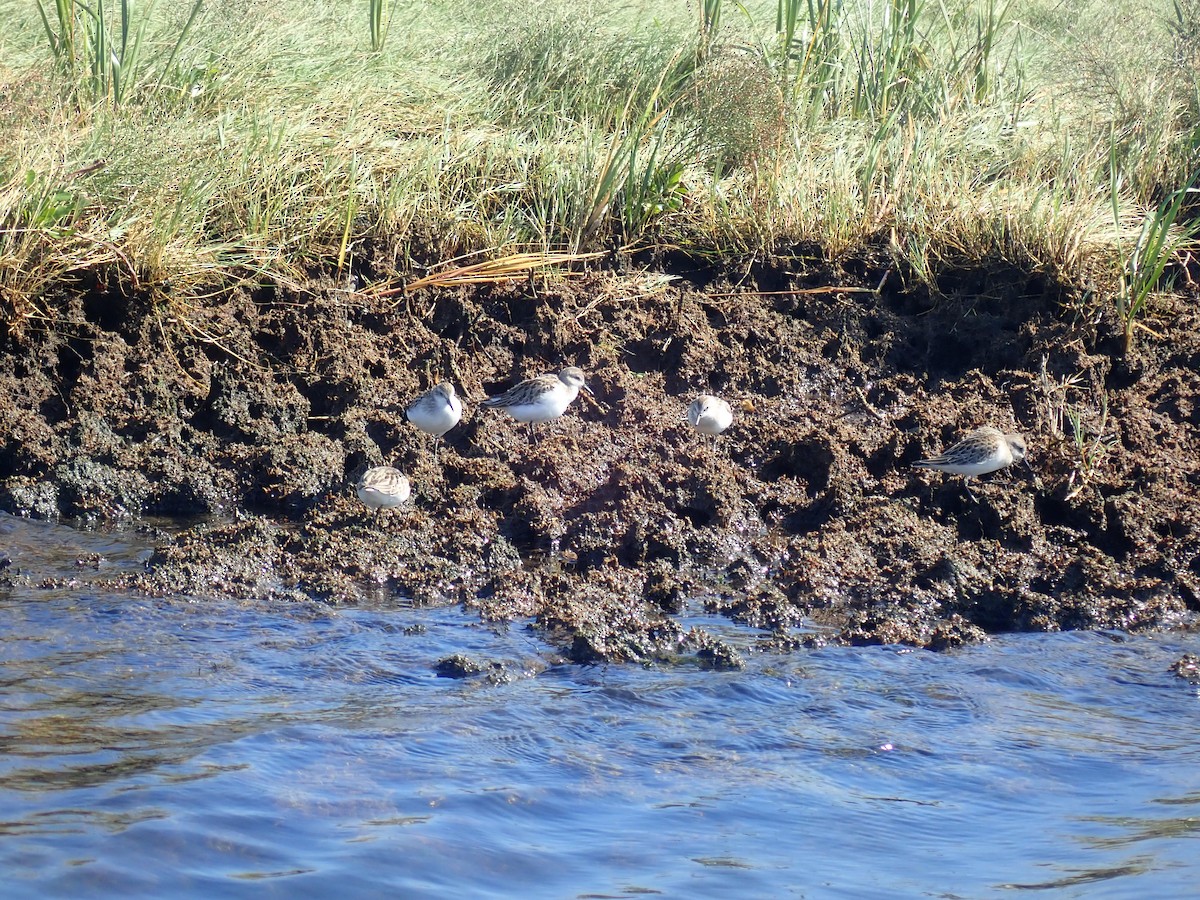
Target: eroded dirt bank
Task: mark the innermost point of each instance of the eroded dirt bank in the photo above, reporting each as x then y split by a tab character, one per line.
265	407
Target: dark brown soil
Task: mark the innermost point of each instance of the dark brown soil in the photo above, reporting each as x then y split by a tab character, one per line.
807	520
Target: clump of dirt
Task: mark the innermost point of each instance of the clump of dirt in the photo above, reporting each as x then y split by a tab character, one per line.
806	519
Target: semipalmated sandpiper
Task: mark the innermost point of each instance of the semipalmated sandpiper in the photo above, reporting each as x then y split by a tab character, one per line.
981	451
383	487
436	411
710	415
542	398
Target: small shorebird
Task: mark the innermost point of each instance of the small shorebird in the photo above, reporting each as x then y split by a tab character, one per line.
542	398
436	411
710	415
383	487
981	451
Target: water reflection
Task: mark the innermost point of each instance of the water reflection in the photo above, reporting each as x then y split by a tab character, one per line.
172	747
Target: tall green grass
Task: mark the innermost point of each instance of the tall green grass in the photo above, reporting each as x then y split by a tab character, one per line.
380	23
245	139
1158	243
98	46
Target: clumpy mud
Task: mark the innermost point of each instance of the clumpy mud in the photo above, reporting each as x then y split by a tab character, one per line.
806	520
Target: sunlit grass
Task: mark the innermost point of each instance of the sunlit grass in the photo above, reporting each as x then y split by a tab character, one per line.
241	139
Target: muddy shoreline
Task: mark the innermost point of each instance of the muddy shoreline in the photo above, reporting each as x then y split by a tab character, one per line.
807	520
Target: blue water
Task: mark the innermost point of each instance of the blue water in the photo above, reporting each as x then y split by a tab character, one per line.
181	748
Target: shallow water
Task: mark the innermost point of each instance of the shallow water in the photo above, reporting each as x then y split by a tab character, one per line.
212	749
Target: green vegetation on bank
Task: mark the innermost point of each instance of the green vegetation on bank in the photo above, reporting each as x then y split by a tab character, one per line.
183	145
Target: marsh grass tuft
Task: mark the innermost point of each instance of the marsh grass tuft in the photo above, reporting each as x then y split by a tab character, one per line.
644	165
1157	244
98	46
1076	415
736	105
1091	445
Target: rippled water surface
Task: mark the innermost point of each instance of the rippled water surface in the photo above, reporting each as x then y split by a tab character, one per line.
210	749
